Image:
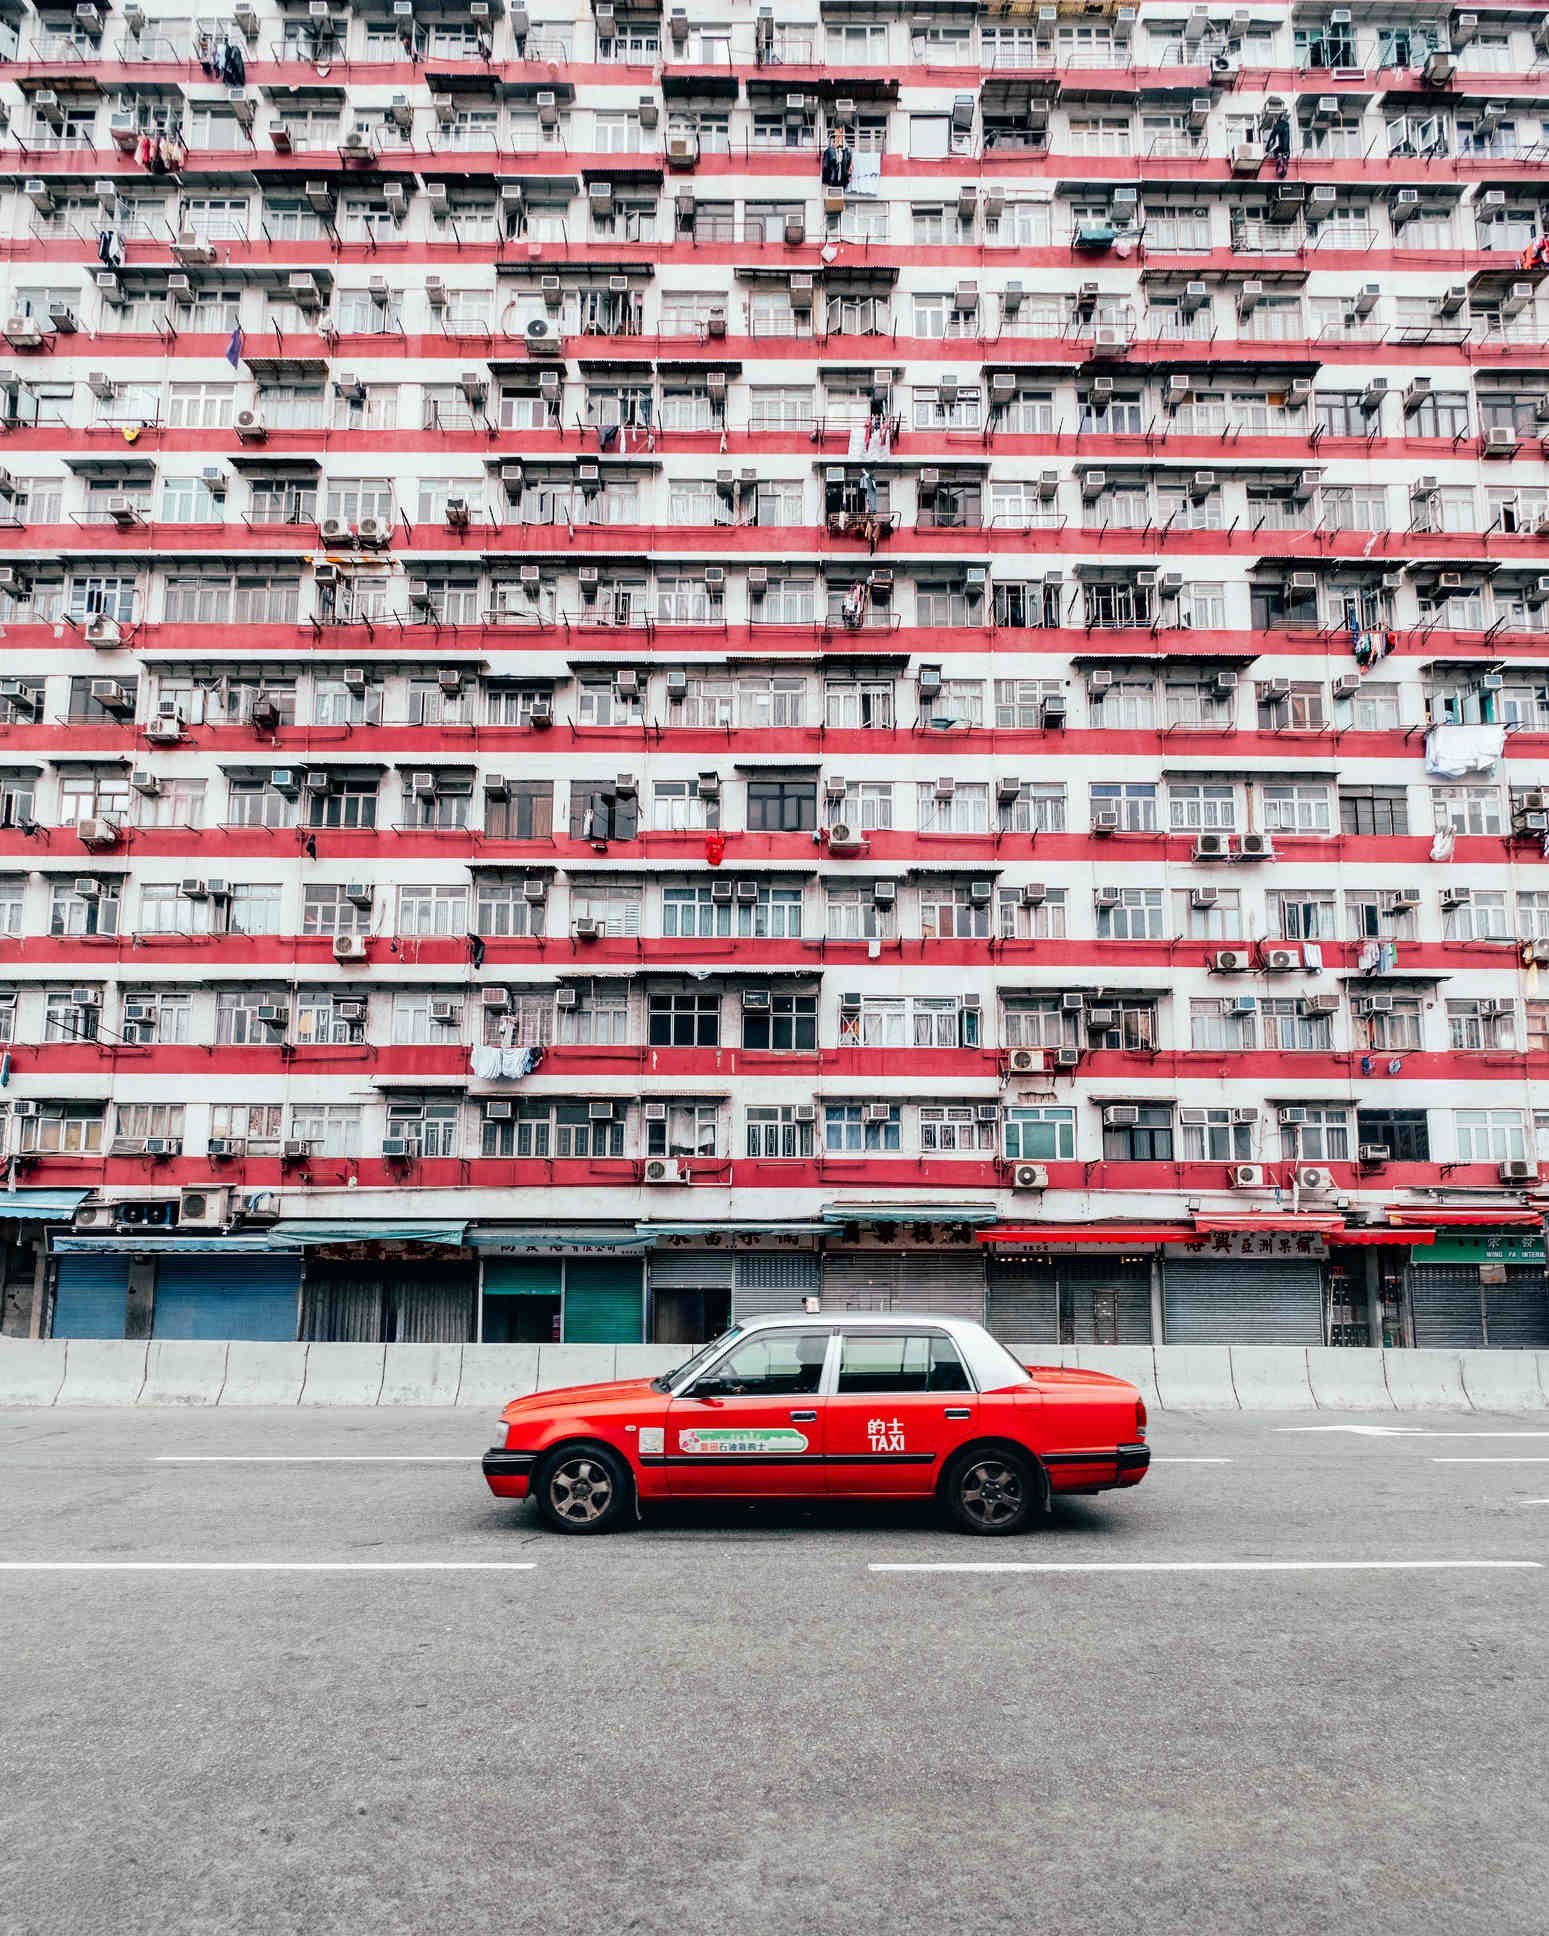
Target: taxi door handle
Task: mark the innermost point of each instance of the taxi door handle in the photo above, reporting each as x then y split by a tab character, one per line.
805	1418
959	1411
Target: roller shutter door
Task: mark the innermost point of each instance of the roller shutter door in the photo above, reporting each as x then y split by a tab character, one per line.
1023	1310
692	1270
766	1281
1105	1300
1444	1300
523	1276
947	1283
1217	1300
389	1301
227	1297
604	1300
91	1297
1518	1310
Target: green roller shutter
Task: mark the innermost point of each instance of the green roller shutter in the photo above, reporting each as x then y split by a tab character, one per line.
91	1297
604	1301
523	1276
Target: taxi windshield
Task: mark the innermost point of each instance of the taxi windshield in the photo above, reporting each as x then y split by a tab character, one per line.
669	1378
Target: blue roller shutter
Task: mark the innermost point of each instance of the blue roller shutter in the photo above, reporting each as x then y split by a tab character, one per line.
227	1297
604	1301
91	1297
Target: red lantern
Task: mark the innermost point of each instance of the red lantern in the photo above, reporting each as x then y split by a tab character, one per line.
715	848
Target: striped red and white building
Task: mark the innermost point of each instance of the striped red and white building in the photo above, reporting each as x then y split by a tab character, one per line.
653	665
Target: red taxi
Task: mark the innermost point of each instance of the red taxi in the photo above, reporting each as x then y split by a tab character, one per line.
855	1405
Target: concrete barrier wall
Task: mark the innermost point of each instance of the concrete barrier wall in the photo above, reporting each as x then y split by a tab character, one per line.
1255	1378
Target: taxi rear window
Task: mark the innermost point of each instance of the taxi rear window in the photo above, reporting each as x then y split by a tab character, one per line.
888	1362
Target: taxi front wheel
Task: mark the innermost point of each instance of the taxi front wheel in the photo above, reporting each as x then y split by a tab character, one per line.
992	1492
582	1489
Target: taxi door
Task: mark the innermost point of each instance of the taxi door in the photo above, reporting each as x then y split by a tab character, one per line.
902	1403
753	1427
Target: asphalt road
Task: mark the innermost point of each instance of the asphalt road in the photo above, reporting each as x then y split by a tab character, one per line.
726	1721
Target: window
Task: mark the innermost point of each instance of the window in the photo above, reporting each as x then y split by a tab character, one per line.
782	806
777	1133
1468	809
1217	1024
1441	413
1297	808
1288	1023
599	812
1041	1135
93	795
1489	1135
166	909
688	1129
1374	709
63	1129
433	909
254	803
867	804
773	913
1135	915
237	1020
1215	1139
599	1018
856	914
956	1130
852	1127
1302	916
527	1023
1373	810
1533	915
1036	917
786	1023
176	802
1482	1023
12	898
502	907
253	907
774	1365
1393	1026
1037	1022
254	1126
428	1129
1197	806
74	913
426	1016
1131	805
1403	1133
959	703
963	810
685	1021
1481	916
1299	709
1127	1025
1323	1137
1147	1140
615	910
526	812
1379	914
950	911
347	803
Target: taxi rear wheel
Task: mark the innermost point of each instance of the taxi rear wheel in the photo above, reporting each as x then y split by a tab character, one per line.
582	1489
993	1491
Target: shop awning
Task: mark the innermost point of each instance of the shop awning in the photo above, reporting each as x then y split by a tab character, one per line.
361	1230
908	1213
650	1230
1460	1219
1388	1236
1025	1236
1293	1223
155	1242
41	1206
497	1237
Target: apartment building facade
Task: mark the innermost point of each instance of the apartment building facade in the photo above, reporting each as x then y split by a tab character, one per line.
659	661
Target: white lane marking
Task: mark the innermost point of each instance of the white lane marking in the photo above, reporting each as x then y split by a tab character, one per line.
1191	1461
1200	1566
1409	1432
317	1458
1521	1459
267	1566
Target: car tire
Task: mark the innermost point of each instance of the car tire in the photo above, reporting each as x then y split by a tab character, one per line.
993	1491
583	1489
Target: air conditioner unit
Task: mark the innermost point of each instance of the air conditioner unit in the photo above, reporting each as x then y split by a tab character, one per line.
1120	1116
1105	821
1280	961
1373	1004
202	1210
1229	961
395	1149
1291	1117
1247	1176
349	947
1255	847
1516	1171
1314	1180
1211	847
273	1015
1025	1062
666	1169
1373	1154
1029	1176
97	833
1067	1058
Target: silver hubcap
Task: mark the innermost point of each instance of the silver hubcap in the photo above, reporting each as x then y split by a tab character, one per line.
991	1492
581	1490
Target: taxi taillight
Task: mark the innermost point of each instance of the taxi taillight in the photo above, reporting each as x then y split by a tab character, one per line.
1140	1415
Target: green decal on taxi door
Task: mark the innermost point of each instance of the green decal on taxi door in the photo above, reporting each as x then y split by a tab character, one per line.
742	1438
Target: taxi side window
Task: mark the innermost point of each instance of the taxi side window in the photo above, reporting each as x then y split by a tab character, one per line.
888	1362
767	1367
